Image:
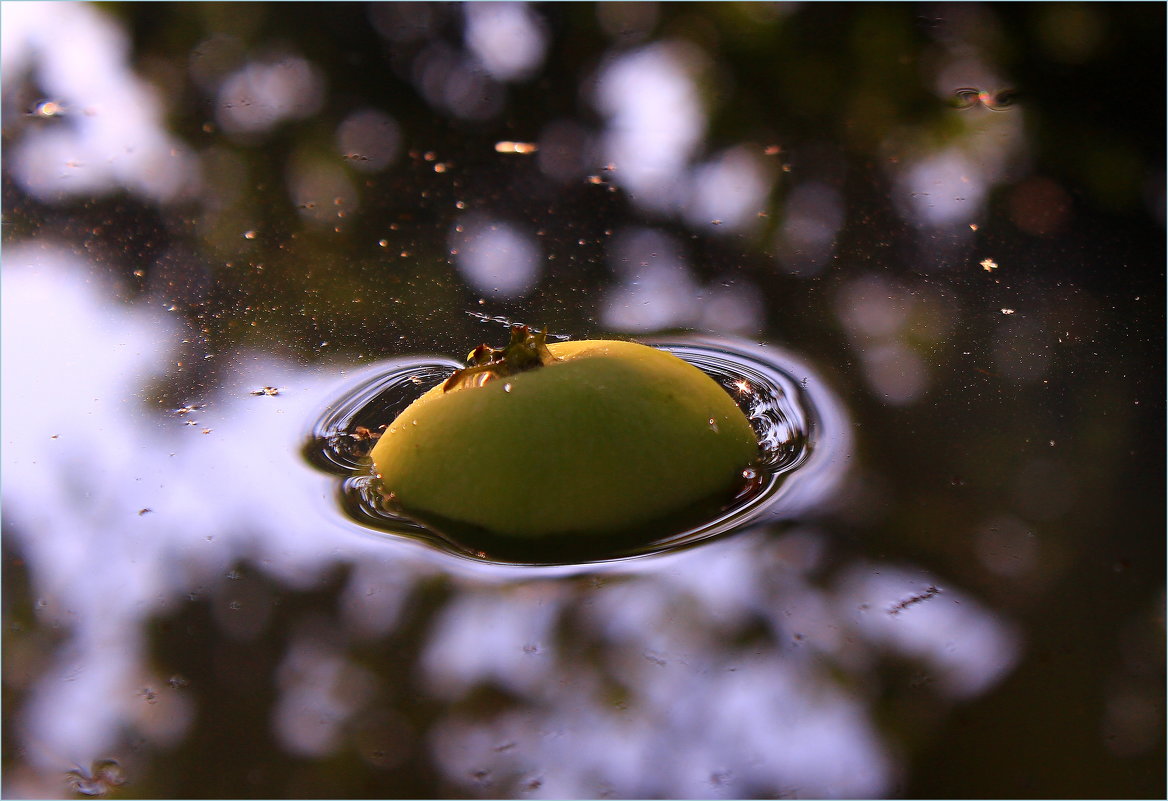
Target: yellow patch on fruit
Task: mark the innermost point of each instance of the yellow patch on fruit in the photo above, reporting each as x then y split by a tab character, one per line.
563	441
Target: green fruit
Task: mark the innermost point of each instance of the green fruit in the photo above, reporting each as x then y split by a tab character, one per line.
580	445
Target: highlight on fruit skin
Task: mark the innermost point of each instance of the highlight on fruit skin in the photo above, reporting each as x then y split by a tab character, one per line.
567	450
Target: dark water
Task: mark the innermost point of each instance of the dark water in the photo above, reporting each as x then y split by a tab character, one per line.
932	235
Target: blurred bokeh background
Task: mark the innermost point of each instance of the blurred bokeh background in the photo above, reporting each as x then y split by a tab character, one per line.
217	215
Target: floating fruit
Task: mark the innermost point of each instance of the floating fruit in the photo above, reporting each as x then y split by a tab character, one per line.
568	448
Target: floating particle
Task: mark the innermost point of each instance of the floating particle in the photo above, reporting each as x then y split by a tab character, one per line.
900	606
99	779
363	434
989	265
1007	311
999	100
520	148
266	391
47	108
249	234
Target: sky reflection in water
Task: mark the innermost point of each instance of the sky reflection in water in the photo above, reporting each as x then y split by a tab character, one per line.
750	666
162	505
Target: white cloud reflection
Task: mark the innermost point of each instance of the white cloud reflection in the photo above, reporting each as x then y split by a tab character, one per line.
655	120
892	327
729	190
109	501
656	669
369	139
452	80
966	650
264	93
495	257
813	214
657	291
110	133
946	188
508	38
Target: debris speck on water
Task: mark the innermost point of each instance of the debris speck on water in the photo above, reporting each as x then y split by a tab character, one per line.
521	148
900	606
101	777
363	434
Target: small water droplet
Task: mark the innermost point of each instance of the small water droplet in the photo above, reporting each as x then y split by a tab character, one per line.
506	387
713	425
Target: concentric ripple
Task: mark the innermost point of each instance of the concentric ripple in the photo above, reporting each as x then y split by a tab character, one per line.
801	429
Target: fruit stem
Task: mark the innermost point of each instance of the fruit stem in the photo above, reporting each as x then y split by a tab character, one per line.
525	351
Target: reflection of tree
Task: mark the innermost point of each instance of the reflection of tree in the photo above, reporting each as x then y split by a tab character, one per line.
328	154
747	670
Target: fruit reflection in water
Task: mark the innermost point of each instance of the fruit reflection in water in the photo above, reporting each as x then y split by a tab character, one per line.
576	451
